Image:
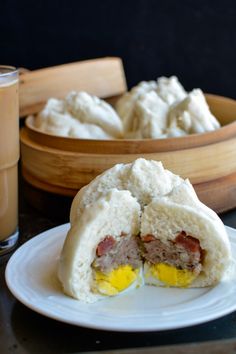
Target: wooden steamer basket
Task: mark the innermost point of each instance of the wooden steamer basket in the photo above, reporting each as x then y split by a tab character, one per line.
61	165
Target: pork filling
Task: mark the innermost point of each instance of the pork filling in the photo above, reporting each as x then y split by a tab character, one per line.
183	253
110	254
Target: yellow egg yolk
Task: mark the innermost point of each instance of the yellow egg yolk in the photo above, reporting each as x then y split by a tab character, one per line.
115	281
172	276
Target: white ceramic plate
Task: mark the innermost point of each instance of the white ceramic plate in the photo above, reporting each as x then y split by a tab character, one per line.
31	277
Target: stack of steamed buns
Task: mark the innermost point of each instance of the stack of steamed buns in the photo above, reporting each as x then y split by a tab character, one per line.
151	110
138	224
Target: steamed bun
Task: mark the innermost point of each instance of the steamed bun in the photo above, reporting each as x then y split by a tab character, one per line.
163	109
170	89
138	223
80	115
91	109
115	218
192	115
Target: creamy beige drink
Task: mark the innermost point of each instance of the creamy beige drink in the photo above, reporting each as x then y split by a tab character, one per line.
9	155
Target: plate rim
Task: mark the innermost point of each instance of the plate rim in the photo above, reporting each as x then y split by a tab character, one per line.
63	228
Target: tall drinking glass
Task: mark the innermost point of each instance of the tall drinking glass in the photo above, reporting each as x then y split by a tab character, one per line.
9	156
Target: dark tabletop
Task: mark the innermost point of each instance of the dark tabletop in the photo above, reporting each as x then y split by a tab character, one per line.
24	331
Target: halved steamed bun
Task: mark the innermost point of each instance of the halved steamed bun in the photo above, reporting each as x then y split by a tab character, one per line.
183	246
185	243
101	254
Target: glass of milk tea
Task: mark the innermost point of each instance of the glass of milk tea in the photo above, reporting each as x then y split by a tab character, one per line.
9	156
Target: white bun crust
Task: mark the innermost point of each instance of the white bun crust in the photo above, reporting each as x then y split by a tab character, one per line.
145	179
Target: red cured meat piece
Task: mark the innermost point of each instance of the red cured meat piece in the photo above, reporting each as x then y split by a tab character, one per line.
105	245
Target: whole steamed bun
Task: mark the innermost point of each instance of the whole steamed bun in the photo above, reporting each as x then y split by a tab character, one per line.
163	109
144	109
80	115
192	115
93	110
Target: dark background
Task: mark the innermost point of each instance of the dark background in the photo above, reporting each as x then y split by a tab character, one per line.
195	40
